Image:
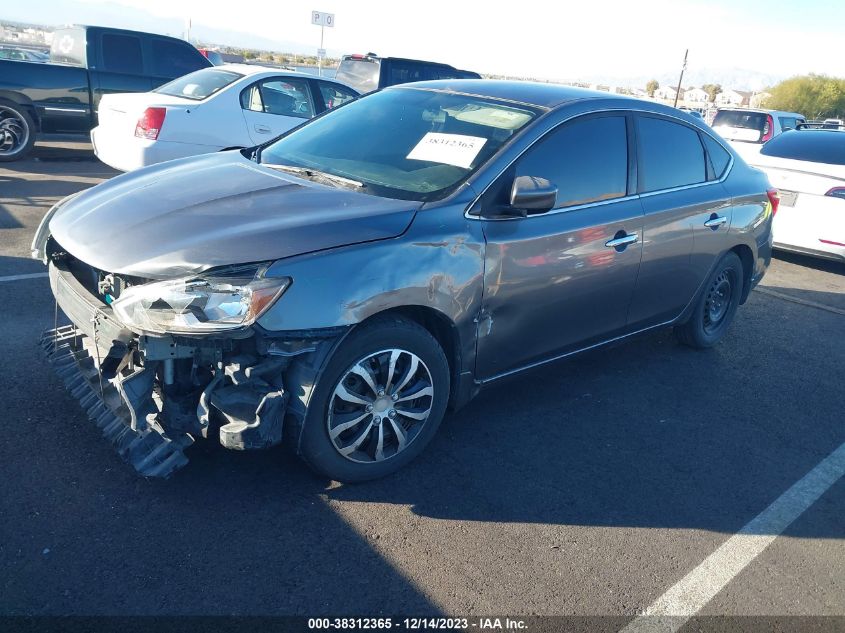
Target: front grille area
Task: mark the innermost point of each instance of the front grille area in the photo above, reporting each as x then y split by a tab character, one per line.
98	282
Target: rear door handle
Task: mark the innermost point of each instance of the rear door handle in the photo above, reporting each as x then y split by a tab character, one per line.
623	241
262	128
716	222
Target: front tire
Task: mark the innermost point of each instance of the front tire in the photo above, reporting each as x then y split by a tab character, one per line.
378	403
715	309
17	131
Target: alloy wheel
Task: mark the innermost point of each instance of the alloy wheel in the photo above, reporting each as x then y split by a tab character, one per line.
14	131
380	405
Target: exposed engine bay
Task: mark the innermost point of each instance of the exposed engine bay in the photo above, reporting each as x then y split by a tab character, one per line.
152	394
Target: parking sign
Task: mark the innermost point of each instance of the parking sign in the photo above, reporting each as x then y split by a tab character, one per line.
322	19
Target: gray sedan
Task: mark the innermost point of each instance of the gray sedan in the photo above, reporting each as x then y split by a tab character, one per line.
341	287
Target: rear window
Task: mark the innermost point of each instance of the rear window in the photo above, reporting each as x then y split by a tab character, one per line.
816	146
174	59
361	74
199	85
737	125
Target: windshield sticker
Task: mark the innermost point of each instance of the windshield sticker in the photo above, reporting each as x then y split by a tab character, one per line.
448	149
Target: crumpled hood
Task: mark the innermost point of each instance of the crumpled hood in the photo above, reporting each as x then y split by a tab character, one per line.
197	213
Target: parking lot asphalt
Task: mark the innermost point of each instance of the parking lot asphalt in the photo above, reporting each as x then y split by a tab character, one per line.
588	487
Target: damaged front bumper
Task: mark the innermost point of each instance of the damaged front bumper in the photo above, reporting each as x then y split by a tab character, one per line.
151	396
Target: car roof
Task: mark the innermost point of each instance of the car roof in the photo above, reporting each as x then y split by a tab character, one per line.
257	69
762	111
531	93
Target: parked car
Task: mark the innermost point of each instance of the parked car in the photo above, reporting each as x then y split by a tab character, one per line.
349	281
23	54
808	168
746	130
224	107
86	63
370	72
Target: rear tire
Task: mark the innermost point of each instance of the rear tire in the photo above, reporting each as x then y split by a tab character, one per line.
362	422
715	308
17	131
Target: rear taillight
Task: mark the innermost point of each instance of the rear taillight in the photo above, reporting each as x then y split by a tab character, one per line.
836	192
774	198
768	129
149	125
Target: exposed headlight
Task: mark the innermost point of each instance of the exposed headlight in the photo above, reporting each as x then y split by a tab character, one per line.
215	301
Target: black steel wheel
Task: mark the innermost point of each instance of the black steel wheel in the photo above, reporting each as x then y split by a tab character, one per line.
716	306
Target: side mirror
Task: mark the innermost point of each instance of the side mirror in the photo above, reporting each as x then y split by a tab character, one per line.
531	193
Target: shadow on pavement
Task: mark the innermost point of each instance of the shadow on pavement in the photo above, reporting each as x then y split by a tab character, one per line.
646	434
233	533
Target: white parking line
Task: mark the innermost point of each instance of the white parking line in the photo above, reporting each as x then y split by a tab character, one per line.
803	302
19	277
671	610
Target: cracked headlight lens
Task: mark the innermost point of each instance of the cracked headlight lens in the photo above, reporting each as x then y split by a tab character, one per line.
215	301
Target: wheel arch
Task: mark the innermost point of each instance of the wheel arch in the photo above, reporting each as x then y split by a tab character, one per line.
444	331
20	99
745	255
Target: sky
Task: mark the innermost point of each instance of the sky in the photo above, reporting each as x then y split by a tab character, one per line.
600	41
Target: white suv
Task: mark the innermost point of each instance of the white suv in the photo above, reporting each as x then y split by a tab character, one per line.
746	130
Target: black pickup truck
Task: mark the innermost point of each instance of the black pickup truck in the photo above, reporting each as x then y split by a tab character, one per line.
86	62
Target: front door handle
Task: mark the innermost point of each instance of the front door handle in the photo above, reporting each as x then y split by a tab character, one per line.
715	221
263	129
620	243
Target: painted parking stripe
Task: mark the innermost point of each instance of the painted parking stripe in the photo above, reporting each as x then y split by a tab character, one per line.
672	610
19	277
798	300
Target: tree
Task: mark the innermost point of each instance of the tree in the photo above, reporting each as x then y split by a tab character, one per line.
814	96
651	86
712	90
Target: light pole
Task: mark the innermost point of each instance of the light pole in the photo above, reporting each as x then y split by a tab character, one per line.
681	78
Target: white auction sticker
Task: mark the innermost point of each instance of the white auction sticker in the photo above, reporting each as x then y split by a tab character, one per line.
449	149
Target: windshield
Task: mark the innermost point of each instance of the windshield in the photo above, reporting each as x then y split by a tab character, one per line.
361	74
403	143
816	146
200	84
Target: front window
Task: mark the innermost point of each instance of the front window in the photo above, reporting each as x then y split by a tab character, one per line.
403	143
199	85
282	96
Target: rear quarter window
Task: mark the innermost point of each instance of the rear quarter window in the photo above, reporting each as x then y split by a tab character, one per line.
719	156
815	146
